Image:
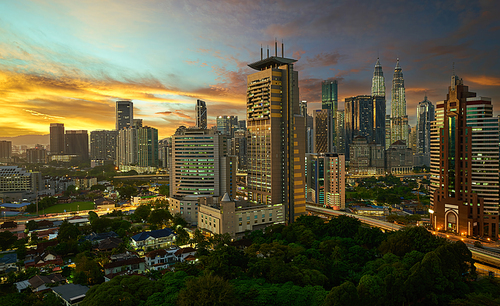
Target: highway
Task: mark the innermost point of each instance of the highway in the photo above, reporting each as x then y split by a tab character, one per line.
479	254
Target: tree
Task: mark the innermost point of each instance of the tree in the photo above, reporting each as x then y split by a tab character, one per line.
7	239
164	190
90	269
122	291
98	187
67	231
207	290
159	217
142	212
126	192
31	225
344	294
92	216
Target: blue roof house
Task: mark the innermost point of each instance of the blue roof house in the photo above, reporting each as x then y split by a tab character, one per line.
153	240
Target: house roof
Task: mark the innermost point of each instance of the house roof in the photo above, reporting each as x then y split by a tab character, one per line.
125	262
109	243
9	258
38	280
101	236
155	234
8	224
190	258
155	253
71	291
184	251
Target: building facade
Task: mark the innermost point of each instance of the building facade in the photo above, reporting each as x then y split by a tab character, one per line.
276	136
399	119
340	132
201	114
325	179
367	158
5	150
464	164
57	138
425	115
36	155
124	114
227	125
103	145
147	147
77	143
323	131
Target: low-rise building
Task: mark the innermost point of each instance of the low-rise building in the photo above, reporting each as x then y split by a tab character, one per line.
40	282
157	239
104	204
71	294
228	216
161	259
128	262
186	206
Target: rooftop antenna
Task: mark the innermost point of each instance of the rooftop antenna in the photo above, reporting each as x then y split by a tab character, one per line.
275	47
282	49
261	58
267	51
453	68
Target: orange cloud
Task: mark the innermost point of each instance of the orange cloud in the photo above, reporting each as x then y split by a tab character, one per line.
484	80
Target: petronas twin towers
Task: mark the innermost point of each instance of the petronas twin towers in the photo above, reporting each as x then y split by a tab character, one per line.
399	120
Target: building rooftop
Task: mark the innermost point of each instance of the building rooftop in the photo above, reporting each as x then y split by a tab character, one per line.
71	293
155	234
271	61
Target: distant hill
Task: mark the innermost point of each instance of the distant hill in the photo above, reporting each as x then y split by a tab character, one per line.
28	140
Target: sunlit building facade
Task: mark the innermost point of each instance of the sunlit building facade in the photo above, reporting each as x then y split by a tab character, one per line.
124	114
325	179
399	119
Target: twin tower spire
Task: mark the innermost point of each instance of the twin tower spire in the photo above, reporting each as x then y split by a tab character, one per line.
399	118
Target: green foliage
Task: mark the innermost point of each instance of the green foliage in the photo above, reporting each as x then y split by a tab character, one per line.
88	271
345	294
164	190
7	240
142	212
67	231
92	216
98	187
207	290
159	217
122	291
126	192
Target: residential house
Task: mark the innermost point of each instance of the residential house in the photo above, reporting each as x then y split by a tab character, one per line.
45	259
157	239
183	253
42	282
126	262
71	294
109	244
161	259
97	238
8	262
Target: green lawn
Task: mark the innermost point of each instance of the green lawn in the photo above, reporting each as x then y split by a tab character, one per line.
59	208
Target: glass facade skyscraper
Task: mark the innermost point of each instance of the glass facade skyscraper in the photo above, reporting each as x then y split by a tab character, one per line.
399	119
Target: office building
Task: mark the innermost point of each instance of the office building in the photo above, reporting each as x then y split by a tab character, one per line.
425	115
36	155
387	131
399	158
103	145
303	112
399	119
221	215
17	184
5	150
165	153
329	95
239	148
242	125
137	123
227	125
364	116
124	114
276	136
201	114
198	166
323	127
127	147
340	132
57	138
77	143
325	179
464	164
378	81
147	147
367	158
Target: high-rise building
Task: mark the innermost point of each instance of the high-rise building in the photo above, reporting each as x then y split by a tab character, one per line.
276	136
378	81
124	114
399	119
227	125
103	145
329	95
36	155
367	158
201	114
325	179
200	164
165	152
137	123
239	148
464	164
340	132
303	112
323	126
364	116
127	147
5	150
387	131
147	147
57	138
77	143
425	115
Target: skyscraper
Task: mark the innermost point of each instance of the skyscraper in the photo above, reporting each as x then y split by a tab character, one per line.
201	114
340	132
425	115
378	81
399	119
103	145
124	114
329	97
276	136
326	179
227	125
147	147
77	143
57	138
464	164
323	126
5	150
126	153
364	116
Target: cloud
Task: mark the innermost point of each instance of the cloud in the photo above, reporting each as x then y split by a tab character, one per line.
324	59
176	112
484	80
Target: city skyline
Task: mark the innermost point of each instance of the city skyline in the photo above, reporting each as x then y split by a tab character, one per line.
70	62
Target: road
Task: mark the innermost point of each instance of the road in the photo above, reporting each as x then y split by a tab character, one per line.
478	254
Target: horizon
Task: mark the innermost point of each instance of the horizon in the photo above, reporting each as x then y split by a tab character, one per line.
69	62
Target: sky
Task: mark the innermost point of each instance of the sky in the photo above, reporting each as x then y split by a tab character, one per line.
69	61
